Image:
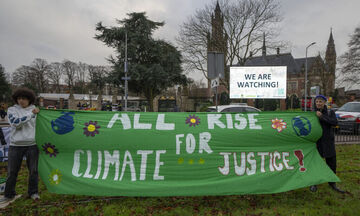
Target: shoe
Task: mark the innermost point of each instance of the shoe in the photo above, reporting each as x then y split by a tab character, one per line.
313	188
35	196
333	186
5	199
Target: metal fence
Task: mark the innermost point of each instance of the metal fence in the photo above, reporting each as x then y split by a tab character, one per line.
347	133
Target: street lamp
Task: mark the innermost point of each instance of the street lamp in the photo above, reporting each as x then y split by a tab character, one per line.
90	92
305	101
126	71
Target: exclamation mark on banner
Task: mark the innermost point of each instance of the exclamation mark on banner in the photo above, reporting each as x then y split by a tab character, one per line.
300	156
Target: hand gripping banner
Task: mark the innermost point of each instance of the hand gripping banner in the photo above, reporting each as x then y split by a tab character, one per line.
178	154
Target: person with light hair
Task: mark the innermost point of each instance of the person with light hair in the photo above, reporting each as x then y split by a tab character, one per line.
326	144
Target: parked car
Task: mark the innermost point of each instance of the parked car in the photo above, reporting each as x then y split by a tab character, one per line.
349	117
242	107
309	103
114	107
51	107
333	107
133	109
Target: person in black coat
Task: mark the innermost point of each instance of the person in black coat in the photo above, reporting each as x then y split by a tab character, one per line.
2	137
2	111
326	143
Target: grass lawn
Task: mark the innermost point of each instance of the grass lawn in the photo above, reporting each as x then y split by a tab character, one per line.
298	202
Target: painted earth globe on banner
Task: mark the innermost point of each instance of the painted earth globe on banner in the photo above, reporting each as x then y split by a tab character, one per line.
301	126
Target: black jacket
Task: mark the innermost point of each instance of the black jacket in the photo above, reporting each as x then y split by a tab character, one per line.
2	113
326	143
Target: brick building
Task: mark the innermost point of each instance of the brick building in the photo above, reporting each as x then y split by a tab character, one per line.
320	72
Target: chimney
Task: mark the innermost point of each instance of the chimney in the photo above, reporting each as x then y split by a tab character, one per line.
278	51
251	54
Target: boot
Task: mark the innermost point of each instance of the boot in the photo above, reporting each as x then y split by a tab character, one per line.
313	188
333	186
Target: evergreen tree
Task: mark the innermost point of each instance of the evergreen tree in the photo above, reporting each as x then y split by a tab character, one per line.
5	90
155	65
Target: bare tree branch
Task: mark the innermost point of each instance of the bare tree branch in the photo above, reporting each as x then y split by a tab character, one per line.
350	62
69	70
245	21
55	75
39	69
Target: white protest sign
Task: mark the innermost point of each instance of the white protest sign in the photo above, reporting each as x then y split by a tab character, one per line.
258	82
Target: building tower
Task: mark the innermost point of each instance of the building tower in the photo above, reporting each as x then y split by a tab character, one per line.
330	66
217	39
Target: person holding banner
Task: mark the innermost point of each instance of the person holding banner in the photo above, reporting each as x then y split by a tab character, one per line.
2	137
2	111
326	143
2	118
22	119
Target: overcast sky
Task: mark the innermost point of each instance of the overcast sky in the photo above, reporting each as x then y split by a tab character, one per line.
57	30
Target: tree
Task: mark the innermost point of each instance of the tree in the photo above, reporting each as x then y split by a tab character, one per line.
69	70
33	76
23	76
39	69
292	102
155	64
54	75
98	76
245	22
350	62
82	76
4	85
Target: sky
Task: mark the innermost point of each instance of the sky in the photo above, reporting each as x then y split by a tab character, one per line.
58	30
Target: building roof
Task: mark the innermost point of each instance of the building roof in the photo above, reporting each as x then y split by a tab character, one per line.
286	59
51	96
301	61
355	92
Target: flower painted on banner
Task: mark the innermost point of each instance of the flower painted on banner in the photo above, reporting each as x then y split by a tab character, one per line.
192	120
278	124
91	128
180	160
201	161
55	177
50	149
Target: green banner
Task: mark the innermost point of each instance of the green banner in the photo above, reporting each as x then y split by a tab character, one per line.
178	154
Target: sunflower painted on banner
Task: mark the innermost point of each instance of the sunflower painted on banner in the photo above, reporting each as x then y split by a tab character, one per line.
192	120
278	124
91	128
50	149
55	177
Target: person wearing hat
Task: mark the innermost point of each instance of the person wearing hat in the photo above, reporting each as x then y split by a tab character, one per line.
326	143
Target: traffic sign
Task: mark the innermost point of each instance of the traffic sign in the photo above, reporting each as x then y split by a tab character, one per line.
215	82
